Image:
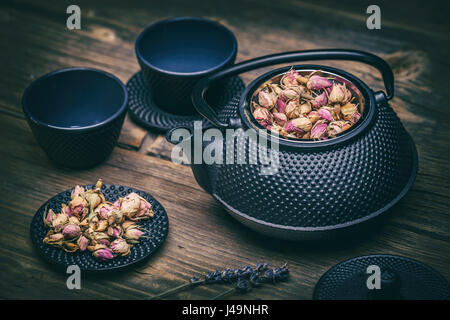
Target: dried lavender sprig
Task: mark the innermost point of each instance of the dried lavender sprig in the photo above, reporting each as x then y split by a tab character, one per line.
257	278
192	282
225	276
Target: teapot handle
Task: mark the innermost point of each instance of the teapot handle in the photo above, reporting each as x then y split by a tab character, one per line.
209	113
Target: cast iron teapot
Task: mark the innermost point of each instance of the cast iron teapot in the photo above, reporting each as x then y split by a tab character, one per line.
321	189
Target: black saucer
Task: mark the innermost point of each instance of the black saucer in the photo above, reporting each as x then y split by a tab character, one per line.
401	279
145	112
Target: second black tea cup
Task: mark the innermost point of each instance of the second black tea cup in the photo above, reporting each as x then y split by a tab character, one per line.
76	114
175	53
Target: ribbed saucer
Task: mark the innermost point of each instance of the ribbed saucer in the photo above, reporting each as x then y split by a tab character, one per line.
143	109
401	279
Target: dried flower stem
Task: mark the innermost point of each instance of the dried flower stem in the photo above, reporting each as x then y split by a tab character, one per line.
223	294
177	289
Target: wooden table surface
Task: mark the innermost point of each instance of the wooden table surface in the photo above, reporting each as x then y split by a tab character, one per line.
414	39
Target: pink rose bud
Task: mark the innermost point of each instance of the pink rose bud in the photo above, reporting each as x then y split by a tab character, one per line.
68	211
355	118
289	94
71	231
348	110
56	237
334	128
281	105
318	130
280	118
103	254
262	115
120	246
103	241
317	82
320	100
325	114
117	204
83	243
290	78
266	100
77	191
133	234
300	125
313	116
338	94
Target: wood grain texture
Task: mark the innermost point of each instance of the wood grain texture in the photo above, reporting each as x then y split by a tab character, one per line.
202	236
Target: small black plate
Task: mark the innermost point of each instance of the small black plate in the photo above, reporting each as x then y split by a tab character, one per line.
156	232
143	109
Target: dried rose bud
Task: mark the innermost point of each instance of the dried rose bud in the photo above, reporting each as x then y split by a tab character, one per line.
348	110
105	242
317	82
302	80
133	234
114	232
120	246
262	115
338	94
318	130
305	108
290	78
281	106
320	100
54	239
103	254
101	226
79	207
128	225
74	220
83	243
280	118
325	114
300	125
65	209
94	198
355	117
49	218
69	246
266	100
292	110
313	116
77	191
117	203
289	94
71	231
59	221
334	128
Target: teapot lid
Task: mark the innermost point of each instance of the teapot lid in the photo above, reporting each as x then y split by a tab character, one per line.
399	278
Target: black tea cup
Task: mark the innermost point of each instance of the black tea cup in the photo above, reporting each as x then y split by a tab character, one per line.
175	53
76	114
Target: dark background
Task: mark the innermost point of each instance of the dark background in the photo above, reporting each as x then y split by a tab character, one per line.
414	39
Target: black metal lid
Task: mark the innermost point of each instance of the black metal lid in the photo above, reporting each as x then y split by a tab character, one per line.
399	278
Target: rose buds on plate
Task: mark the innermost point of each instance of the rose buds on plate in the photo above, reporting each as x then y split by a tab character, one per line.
89	222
